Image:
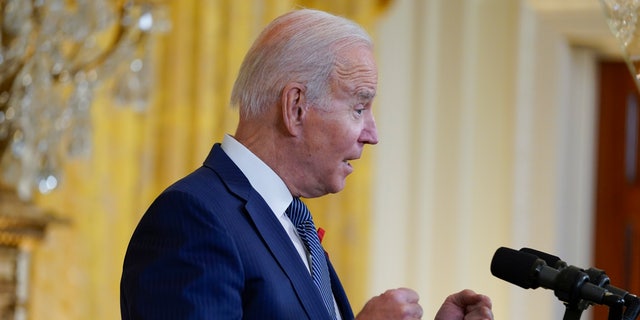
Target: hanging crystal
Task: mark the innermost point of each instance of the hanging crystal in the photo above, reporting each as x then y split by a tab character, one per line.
53	55
622	18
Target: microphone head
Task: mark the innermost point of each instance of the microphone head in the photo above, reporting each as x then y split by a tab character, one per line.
549	259
519	268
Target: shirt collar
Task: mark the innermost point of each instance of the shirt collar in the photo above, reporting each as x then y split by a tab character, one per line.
261	177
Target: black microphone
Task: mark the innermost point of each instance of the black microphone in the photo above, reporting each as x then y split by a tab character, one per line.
570	284
596	276
551	260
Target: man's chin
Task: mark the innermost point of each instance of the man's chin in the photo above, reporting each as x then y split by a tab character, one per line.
338	186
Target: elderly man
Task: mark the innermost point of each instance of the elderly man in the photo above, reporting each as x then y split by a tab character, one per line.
232	240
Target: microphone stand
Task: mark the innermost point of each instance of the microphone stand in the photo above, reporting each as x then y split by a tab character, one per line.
633	307
616	304
573	311
624	299
576	288
570	281
570	284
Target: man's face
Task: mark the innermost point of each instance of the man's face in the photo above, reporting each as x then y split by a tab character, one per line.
336	133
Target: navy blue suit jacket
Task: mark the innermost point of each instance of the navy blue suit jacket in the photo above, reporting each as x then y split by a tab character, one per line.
209	247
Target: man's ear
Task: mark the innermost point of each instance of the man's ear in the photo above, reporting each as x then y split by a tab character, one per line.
293	106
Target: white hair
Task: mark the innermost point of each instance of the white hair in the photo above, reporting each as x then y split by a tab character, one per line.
301	46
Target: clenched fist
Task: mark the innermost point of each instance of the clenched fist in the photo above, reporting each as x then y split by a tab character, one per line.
394	304
465	305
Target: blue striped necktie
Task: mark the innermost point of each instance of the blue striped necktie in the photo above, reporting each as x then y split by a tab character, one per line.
301	218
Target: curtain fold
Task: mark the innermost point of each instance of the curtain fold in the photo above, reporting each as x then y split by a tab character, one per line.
77	268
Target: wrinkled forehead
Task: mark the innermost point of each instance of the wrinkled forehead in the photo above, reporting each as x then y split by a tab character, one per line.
356	67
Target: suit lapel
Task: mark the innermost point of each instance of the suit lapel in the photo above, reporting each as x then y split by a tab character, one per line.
271	231
339	294
283	250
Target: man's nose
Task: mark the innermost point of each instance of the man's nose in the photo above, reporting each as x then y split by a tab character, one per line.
370	132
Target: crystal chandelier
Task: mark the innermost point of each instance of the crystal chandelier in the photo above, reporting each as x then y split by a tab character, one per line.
53	55
622	18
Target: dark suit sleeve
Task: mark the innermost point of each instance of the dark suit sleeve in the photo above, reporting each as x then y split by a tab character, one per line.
181	264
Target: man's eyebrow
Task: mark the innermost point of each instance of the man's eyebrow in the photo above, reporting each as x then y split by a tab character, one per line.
365	94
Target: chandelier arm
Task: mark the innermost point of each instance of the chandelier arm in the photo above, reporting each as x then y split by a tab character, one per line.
102	57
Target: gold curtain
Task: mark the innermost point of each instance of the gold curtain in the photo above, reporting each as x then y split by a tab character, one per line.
77	268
